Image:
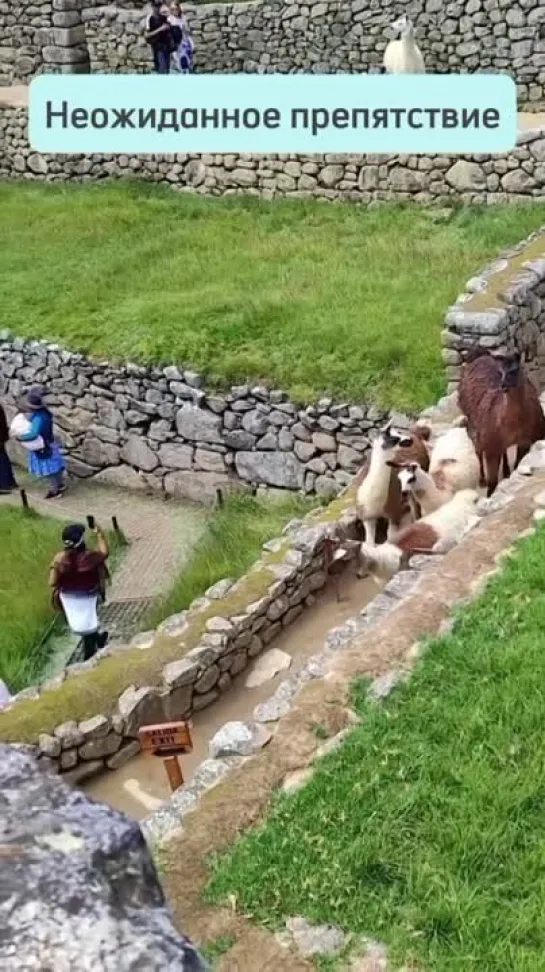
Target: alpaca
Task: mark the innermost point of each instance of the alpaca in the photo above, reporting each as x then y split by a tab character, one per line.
444	526
403	56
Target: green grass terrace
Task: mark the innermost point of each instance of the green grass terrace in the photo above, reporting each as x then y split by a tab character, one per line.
316	299
28	543
425	830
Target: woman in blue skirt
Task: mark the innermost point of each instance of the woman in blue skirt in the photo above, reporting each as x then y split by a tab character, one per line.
47	462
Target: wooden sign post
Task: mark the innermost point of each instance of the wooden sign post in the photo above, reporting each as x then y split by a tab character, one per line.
169	740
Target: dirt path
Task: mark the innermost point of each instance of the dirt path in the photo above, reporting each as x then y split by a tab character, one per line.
240	801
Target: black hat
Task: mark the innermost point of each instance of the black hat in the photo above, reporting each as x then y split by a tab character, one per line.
72	535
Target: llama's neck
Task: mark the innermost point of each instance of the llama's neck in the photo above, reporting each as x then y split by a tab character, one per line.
428	493
379	472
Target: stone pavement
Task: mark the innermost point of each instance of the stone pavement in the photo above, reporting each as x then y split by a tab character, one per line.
161	536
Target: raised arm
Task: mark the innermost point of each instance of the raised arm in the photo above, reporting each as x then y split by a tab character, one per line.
102	543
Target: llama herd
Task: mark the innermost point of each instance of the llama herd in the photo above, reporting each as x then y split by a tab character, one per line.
428	494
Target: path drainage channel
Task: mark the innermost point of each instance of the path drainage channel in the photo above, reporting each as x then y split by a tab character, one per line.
141	786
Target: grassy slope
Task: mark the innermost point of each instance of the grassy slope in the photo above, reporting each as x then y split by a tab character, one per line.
231	543
28	543
426	829
310	297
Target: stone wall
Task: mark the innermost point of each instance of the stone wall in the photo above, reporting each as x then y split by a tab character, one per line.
159	428
517	175
47	36
277	35
503	309
207	646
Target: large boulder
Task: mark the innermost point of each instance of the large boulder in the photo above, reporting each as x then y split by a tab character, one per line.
279	469
79	888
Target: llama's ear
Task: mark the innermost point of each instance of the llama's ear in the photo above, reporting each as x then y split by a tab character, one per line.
388	426
422	431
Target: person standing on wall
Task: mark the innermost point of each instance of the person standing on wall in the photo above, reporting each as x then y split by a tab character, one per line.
159	37
77	578
180	34
46	462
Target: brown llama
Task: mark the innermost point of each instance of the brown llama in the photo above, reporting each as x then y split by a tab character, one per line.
503	411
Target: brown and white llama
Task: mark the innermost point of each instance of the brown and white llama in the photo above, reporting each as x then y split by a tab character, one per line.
453	466
378	491
444	526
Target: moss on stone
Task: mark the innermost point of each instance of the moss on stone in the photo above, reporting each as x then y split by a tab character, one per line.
491	298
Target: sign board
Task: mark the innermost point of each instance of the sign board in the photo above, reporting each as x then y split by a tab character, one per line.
166	738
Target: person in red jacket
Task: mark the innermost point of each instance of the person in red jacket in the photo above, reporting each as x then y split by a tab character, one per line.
77	578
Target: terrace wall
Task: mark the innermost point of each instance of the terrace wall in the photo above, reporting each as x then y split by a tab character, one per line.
280	36
518	175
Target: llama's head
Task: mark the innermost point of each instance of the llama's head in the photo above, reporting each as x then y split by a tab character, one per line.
511	368
403	26
391	439
407	475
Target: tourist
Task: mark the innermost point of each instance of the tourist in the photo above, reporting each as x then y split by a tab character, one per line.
77	579
184	44
7	479
159	36
46	462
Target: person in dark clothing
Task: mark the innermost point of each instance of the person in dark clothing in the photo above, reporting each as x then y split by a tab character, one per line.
7	479
77	578
158	35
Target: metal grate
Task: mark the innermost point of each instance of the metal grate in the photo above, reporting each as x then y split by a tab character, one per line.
122	618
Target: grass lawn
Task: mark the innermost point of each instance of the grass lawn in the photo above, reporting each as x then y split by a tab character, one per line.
231	543
306	296
426	830
28	543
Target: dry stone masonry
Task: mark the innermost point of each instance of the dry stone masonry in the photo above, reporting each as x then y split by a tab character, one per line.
503	309
210	644
281	36
159	428
516	175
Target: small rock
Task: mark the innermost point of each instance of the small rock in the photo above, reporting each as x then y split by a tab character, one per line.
219	625
123	755
95	727
208	680
315	939
69	734
219	589
140	707
100	747
239	739
49	745
267	667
